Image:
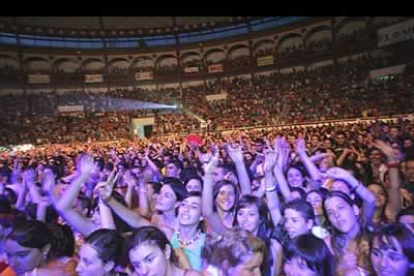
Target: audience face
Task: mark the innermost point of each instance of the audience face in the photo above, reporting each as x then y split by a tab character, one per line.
219	174
248	218
341	215
325	164
389	259
340	140
380	196
148	259
315	141
23	259
375	157
340	186
166	200
250	267
295	177
194	185
408	143
226	198
172	171
90	263
316	201
394	132
298	267
189	212
295	224
409	171
327	144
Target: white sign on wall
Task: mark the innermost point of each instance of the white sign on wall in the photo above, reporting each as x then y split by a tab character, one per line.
396	33
387	71
39	78
144	76
93	78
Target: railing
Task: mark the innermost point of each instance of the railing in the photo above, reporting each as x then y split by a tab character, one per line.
334	122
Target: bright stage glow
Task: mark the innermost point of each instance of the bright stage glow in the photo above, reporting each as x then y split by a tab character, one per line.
99	103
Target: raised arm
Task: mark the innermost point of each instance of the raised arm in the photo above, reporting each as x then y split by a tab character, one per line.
49	185
343	156
131	184
21	198
237	156
394	203
154	168
271	187
65	204
207	196
127	215
281	179
107	220
358	188
68	199
143	200
29	180
309	165
282	148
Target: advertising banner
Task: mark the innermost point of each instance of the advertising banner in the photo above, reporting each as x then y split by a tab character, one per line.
387	71
39	78
70	110
144	76
215	97
216	68
263	61
93	78
396	33
191	69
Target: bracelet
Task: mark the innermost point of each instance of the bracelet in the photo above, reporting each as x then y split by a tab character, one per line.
394	165
270	189
144	191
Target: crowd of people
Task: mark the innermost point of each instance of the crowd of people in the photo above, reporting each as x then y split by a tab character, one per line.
279	199
330	92
327	200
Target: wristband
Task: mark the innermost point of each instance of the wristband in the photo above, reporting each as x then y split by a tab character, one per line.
141	190
394	165
270	189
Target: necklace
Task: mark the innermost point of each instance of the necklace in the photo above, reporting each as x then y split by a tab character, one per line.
187	243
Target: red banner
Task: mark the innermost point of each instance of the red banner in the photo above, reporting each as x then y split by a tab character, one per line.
215	68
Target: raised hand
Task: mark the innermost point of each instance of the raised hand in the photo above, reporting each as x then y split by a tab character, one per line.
211	164
300	146
104	191
29	176
282	148
87	165
49	183
270	160
105	188
386	148
235	153
339	173
267	142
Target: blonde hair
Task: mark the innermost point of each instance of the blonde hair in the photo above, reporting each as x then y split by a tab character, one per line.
233	248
